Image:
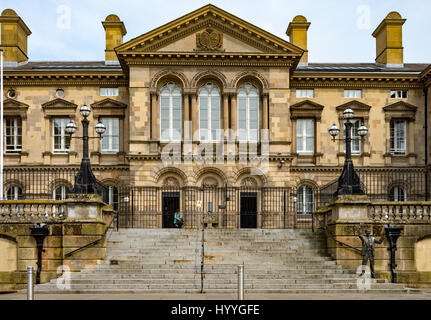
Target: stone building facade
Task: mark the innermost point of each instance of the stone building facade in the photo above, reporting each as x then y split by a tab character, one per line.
211	70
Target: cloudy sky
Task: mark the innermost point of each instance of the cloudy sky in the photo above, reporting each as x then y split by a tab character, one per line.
340	29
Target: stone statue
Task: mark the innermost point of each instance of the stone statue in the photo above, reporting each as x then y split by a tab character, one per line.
368	249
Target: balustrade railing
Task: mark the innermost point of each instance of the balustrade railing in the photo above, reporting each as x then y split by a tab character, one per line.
32	211
400	212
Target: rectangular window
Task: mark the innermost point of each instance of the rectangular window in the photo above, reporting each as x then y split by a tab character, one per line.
355	94
61	138
356	138
111	137
305	93
13	134
399	94
305	136
398	137
108	92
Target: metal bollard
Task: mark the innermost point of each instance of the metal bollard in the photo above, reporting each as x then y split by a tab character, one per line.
241	282
30	284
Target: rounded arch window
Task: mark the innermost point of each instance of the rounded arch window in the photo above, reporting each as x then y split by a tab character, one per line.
110	196
14	193
209	112
305	200
61	192
170	112
248	112
398	194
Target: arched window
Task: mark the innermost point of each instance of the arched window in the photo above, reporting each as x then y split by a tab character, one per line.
248	113
305	200
170	113
14	193
209	112
111	196
398	194
61	192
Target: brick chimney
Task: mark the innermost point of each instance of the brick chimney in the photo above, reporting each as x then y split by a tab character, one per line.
14	33
115	30
297	33
389	41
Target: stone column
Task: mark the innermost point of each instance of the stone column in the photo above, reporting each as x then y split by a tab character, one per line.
225	114
195	114
388	159
234	114
265	112
186	116
155	120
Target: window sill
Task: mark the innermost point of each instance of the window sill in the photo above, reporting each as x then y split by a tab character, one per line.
391	155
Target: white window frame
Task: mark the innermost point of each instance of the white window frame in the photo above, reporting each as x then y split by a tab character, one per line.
305	93
109	92
394	137
63	135
247	131
304	204
354	137
15	192
399	94
209	87
171	130
303	136
16	128
63	192
353	93
109	135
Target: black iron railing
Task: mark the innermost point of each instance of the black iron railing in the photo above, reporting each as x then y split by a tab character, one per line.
218	207
384	184
41	183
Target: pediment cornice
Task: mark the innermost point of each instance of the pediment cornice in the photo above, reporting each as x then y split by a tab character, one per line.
109	103
207	17
355	105
59	104
14	104
306	109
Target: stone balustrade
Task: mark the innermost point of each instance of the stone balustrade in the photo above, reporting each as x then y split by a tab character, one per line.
32	211
400	212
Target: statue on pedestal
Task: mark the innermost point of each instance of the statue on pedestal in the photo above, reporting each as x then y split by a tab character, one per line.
368	249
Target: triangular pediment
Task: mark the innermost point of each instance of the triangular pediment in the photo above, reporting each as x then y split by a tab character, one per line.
354	105
59	103
306	109
306	105
109	103
14	104
400	106
209	29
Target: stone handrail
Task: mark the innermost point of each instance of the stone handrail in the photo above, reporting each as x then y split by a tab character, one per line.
30	211
399	212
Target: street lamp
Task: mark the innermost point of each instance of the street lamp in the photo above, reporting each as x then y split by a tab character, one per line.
349	182
85	181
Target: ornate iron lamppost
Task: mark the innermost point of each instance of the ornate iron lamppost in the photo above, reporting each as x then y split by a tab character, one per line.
349	182
85	181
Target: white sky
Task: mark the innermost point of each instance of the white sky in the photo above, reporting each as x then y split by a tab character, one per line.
340	29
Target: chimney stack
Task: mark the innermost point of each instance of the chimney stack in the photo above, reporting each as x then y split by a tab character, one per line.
115	30
14	33
389	41
297	32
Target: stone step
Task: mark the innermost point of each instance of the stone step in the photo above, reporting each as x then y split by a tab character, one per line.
232	286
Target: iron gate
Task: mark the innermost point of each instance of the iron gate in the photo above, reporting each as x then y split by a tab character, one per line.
216	207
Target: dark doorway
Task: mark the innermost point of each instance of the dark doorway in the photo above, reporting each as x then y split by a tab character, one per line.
170	203
248	209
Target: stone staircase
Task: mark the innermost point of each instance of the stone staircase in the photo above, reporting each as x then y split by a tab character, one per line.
169	261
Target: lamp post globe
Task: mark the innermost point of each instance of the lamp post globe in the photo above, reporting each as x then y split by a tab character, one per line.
85	111
362	131
100	128
71	128
334	130
348	114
